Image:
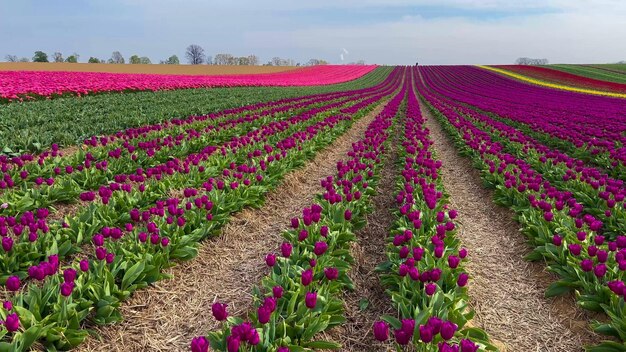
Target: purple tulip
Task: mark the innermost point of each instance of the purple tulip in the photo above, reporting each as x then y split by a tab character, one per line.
426	333
282	349
599	270
13	283
199	344
302	235
435	323
12	323
574	249
307	277
587	265
557	240
324	231
430	289
67	288
320	248
219	311
232	343
381	331
264	314
270	260
277	291
310	299
462	280
286	249
453	261
84	265
448	329
295	223
312	262
69	275
347	215
8	305
7	244
331	273
468	346
110	257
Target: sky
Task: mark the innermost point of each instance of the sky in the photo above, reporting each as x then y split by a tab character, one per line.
376	31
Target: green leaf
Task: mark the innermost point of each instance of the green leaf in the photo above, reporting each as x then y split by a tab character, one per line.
325	345
132	274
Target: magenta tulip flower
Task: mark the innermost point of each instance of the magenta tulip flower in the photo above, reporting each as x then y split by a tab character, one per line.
199	344
219	311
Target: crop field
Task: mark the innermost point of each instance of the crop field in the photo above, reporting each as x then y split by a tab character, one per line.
331	207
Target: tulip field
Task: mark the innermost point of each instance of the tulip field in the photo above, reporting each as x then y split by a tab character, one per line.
102	195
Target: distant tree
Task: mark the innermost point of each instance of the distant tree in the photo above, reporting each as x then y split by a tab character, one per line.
223	59
195	54
530	61
134	59
11	58
209	60
253	60
242	61
314	62
72	58
360	62
276	61
24	59
93	60
57	57
145	60
621	62
172	60
40	56
116	58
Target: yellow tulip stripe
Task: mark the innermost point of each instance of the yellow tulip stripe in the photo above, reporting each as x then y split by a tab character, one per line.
552	85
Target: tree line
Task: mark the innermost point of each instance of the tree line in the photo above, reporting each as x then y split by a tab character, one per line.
194	54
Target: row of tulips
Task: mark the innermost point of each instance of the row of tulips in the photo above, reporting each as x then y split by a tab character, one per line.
554	221
554	75
299	297
25	85
100	148
590	127
139	233
108	206
121	165
61	179
424	273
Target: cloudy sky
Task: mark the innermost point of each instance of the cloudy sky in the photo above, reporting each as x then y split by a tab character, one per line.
377	31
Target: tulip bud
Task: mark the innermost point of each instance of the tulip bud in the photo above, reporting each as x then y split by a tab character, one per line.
448	329
270	260
381	331
331	273
286	249
307	277
219	311
277	291
199	344
311	299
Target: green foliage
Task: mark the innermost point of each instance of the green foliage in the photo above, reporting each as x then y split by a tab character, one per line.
40	56
32	126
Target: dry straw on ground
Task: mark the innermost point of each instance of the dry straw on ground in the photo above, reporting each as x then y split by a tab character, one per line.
139	68
506	291
166	316
369	301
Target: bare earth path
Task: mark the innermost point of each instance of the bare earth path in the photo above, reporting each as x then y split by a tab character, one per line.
506	291
369	251
166	316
